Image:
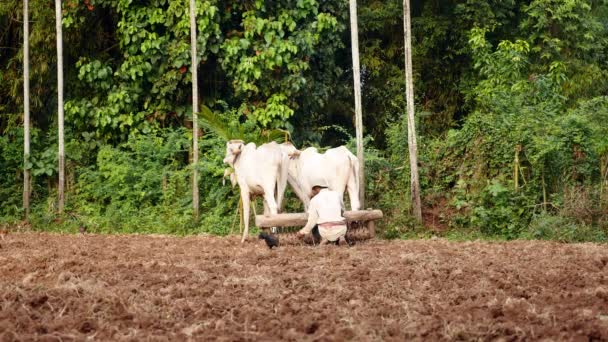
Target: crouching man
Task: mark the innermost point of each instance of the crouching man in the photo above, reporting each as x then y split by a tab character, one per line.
325	211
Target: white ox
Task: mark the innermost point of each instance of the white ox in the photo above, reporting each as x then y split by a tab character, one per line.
337	168
258	171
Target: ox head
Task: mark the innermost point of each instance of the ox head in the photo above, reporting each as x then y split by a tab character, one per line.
233	149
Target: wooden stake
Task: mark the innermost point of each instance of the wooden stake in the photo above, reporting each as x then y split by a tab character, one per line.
371	228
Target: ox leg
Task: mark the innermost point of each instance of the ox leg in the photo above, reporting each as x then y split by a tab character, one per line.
273	230
246	207
298	190
272	205
353	193
266	209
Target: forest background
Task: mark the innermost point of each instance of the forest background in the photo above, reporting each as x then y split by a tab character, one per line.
511	106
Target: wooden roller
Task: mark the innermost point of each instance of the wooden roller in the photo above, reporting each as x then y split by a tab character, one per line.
300	219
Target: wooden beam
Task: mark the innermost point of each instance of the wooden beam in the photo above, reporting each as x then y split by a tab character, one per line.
300	219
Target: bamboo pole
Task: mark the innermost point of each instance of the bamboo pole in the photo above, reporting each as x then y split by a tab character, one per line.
194	70
411	123
26	109
58	24
354	35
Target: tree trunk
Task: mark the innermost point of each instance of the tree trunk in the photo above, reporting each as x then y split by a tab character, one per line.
194	70
354	36
26	109
58	23
411	123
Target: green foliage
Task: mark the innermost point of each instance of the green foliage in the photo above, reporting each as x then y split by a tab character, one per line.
563	229
264	51
150	76
10	159
144	186
227	126
268	58
524	130
496	211
141	185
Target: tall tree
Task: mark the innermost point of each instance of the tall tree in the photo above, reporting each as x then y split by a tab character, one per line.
354	36
411	124
26	109
58	24
194	70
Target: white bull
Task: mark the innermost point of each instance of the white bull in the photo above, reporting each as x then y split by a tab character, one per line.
337	168
258	171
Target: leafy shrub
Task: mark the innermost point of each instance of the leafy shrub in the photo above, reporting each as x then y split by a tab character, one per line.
564	229
500	211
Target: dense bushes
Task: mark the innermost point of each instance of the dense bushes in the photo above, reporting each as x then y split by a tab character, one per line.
525	154
142	185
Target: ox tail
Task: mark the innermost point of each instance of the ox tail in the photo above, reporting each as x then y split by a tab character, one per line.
282	180
353	182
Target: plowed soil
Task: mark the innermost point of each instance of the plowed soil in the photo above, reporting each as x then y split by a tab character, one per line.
78	287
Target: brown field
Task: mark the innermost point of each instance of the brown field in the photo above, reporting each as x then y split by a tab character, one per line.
78	287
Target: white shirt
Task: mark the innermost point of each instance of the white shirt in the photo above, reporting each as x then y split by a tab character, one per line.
326	206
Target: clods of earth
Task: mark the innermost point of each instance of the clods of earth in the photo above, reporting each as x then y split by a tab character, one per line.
101	287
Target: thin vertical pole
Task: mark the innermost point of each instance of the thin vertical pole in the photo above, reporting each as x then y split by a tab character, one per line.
58	23
194	70
26	109
411	123
354	35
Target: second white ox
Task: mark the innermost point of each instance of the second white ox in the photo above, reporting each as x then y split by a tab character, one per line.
258	171
337	168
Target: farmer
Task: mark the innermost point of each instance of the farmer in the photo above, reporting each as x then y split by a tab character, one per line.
325	211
